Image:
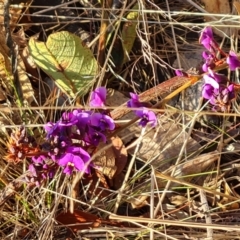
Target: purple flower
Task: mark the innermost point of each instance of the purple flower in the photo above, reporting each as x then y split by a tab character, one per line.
98	97
39	171
232	61
61	127
68	119
208	92
146	116
75	158
180	73
83	119
220	97
134	102
206	39
215	79
32	170
228	93
209	61
39	159
102	121
52	129
94	137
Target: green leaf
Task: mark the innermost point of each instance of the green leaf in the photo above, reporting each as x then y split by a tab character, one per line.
129	31
67	60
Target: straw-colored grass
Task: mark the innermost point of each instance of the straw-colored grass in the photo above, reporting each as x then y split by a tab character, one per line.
191	204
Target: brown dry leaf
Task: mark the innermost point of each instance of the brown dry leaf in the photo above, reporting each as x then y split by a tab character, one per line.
161	146
26	86
120	153
78	220
15	12
95	186
5	64
190	167
236	4
27	90
218	7
111	159
5	67
20	39
105	160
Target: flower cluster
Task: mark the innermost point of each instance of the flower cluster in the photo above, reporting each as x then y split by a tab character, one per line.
210	56
71	140
217	88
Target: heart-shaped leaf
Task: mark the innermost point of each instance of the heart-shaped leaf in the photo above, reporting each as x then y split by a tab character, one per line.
67	60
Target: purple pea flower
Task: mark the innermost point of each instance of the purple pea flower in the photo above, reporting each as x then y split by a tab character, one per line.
219	97
206	39
213	82
209	61
83	119
208	92
61	127
228	93
215	79
146	116
135	103
32	170
180	73
39	159
102	121
93	137
75	158
232	61
98	97
68	119
38	171
52	129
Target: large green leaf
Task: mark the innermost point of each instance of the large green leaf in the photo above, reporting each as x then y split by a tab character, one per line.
67	60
